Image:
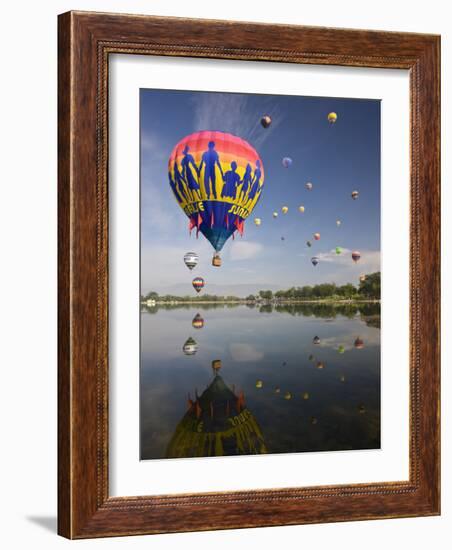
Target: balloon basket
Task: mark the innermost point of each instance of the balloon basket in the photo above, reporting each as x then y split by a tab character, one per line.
216	260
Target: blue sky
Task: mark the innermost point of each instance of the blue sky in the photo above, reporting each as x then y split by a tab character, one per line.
336	158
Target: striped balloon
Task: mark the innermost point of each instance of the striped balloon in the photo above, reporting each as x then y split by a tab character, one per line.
191	260
198	283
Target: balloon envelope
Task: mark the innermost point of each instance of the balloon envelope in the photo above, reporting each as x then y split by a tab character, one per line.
198	283
275	214
317	236
217	180
301	209
266	120
257	221
338	250
355	195
191	260
284	209
356	256
308	186
332	117
314	261
286	162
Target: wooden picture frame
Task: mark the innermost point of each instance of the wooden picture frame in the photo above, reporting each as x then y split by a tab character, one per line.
85	42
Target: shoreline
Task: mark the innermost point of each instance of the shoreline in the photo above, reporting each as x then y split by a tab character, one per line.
265	302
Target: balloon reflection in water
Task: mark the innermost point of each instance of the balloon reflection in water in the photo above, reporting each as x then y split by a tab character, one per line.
316	340
217	423
190	347
198	321
359	344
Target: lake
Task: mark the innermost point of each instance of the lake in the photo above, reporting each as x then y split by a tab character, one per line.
248	379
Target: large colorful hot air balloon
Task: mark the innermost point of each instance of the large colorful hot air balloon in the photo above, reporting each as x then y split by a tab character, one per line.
191	260
217	180
198	283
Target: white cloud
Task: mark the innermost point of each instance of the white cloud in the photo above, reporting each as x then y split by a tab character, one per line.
236	114
245	352
244	250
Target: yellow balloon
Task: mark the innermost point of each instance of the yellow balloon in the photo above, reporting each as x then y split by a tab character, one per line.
332	117
259	384
301	209
284	209
257	221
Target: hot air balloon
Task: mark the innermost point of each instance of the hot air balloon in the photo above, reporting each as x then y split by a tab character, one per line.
217	180
341	349
316	340
314	420
361	408
190	347
275	214
257	221
309	186
338	250
308	244
198	283
314	261
317	236
286	162
332	117
283	238
305	395
197	322
362	278
359	344
287	395
277	390
259	384
284	209
320	365
301	209
338	223
266	120
191	260
356	256
342	378
355	195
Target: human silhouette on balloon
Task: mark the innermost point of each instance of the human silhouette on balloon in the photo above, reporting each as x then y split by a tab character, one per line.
185	183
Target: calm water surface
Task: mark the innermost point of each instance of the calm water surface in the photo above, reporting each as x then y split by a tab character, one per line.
272	389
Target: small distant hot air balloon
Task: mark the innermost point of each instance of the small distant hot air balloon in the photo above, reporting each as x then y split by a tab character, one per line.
314	261
284	209
308	244
309	186
266	120
341	349
320	365
356	256
283	238
301	209
190	347
198	283
355	195
359	344
277	390
338	223
361	409
362	278
314	420
286	162
197	322
259	384
305	395
191	260
316	340
257	221
317	236
342	378
311	357
287	395
338	250
275	214
332	117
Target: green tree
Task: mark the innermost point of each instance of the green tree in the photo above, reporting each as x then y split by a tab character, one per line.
370	287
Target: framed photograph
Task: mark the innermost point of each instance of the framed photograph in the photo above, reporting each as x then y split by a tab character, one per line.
248	275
